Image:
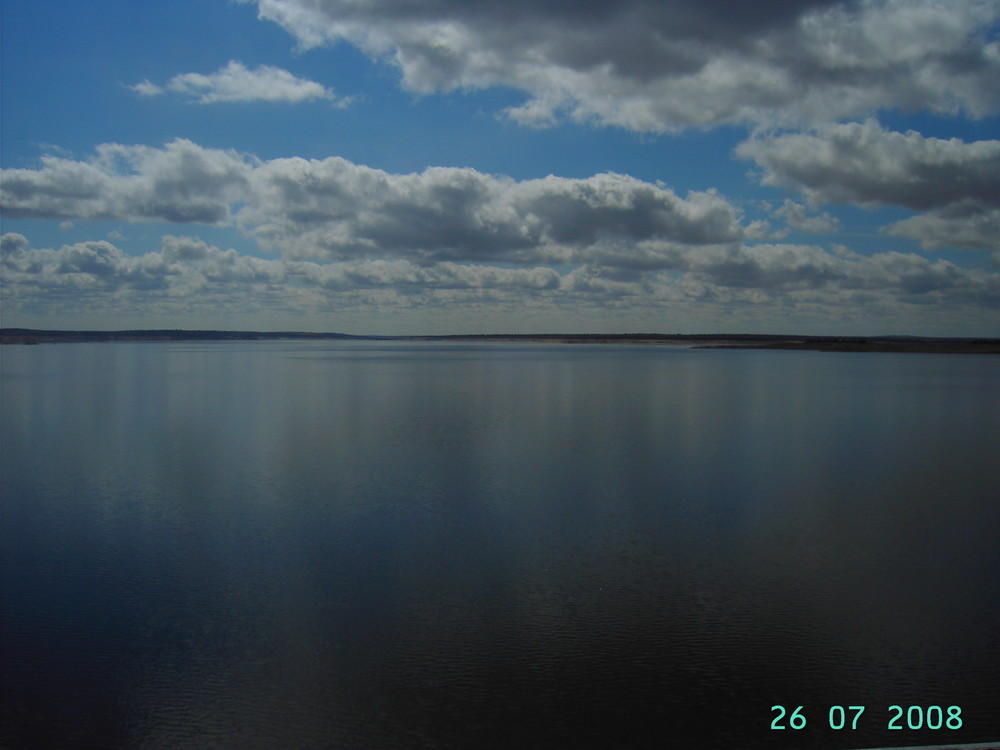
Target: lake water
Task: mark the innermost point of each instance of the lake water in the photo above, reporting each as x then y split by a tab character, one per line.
458	545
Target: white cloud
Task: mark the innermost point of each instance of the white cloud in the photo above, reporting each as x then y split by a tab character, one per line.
147	88
181	182
796	216
333	208
655	65
958	183
236	83
186	274
864	164
980	231
87	267
355	237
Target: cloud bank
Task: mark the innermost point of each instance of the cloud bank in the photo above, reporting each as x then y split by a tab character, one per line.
186	275
349	237
335	209
655	65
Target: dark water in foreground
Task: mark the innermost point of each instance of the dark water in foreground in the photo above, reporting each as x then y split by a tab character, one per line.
422	545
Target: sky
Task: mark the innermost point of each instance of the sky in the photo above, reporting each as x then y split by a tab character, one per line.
472	166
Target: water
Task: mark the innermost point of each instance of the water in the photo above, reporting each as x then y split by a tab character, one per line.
423	545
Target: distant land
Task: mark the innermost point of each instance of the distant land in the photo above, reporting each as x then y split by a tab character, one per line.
699	340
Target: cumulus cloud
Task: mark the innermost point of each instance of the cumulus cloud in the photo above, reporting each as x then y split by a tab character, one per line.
186	273
333	208
981	231
180	182
650	65
865	164
12	244
796	216
86	267
236	83
958	183
350	235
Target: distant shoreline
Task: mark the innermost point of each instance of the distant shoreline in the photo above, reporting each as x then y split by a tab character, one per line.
914	344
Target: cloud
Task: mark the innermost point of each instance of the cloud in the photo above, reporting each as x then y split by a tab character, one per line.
236	83
980	231
180	182
147	88
335	209
83	267
796	217
187	271
957	183
864	164
350	236
650	65
12	243
187	274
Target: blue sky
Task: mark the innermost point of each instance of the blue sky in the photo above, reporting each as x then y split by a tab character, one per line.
443	167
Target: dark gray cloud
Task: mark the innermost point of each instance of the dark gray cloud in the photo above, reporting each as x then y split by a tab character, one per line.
658	65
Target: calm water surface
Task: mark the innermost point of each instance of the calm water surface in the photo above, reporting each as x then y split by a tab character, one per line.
424	545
